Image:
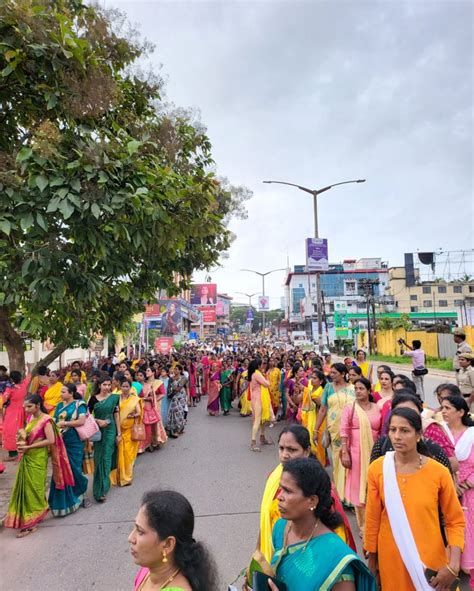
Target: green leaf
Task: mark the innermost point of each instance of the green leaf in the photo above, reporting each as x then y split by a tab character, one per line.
103	178
7	71
141	191
24	154
62	192
51	100
133	146
41	222
53	205
5	227
76	185
95	210
57	181
27	221
66	209
25	267
41	182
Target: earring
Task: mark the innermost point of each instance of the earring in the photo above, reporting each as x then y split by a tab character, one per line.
164	559
312	508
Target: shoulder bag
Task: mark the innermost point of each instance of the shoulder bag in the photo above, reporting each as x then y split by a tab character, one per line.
138	431
90	429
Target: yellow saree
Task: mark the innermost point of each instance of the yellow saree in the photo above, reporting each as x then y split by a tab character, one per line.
52	397
309	415
127	449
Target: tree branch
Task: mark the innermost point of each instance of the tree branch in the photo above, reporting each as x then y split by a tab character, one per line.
50	357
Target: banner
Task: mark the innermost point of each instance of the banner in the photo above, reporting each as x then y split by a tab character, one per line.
208	314
317	254
203	294
170	317
250	315
163	345
263	303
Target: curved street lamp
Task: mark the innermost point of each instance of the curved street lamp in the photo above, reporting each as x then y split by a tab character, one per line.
263	275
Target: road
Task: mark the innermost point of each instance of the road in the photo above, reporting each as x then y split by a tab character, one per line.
211	464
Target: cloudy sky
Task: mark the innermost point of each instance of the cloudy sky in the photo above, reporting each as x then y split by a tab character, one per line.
319	92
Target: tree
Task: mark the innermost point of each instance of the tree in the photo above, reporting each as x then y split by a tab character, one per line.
104	197
393	323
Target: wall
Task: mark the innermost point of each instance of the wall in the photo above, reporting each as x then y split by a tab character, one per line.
430	341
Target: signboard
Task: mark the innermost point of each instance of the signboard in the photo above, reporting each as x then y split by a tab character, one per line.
203	294
208	314
250	315
193	335
263	303
317	254
222	307
163	345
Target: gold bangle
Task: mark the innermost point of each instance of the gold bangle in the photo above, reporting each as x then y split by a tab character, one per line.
454	573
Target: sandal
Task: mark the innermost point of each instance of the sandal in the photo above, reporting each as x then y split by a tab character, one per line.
254	447
264	441
86	503
26	532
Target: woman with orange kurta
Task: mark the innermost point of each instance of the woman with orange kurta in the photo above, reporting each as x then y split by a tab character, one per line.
402	533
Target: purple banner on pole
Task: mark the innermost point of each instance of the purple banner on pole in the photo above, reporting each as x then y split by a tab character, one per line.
317	254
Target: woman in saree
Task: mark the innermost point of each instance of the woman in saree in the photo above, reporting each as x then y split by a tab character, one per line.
460	429
52	396
214	390
153	393
308	555
226	379
177	402
14	411
293	443
295	385
192	371
205	374
335	397
310	406
164	403
360	427
273	376
243	385
28	505
127	449
365	366
70	413
105	407
261	404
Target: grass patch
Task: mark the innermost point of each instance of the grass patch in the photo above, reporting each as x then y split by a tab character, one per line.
431	362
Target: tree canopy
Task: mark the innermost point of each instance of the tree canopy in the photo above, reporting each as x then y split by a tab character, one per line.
104	198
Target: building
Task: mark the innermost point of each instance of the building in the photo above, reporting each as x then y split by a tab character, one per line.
437	299
343	289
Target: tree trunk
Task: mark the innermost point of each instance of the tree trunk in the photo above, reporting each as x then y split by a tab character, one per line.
13	343
50	357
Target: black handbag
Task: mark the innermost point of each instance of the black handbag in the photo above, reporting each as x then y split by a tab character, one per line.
420	372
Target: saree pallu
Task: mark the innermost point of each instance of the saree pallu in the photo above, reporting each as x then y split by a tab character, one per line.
274	387
245	404
325	561
225	394
67	500
213	394
335	402
176	420
309	415
127	449
104	450
28	505
52	397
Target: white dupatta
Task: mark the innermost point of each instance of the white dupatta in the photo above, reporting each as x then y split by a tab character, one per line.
464	445
400	525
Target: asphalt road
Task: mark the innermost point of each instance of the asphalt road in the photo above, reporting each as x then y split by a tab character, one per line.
211	464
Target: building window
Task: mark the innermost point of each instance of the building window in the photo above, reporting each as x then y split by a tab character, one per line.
457	288
427	304
471	289
459	303
413	298
414	309
442	289
443	303
350	287
426	289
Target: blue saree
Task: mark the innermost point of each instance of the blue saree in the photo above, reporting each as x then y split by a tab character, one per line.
325	561
66	501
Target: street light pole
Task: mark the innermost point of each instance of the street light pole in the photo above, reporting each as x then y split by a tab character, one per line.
263	275
315	193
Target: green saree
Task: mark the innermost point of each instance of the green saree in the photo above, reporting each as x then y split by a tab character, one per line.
104	450
225	394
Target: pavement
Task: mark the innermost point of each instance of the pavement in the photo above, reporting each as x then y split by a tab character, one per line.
211	464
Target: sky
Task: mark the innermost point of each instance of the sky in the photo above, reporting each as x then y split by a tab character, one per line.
319	92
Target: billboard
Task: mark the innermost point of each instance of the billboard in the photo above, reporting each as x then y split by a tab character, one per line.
203	294
163	345
317	254
263	303
222	307
170	317
208	314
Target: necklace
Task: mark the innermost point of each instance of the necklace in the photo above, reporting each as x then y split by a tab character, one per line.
308	540
163	585
421	462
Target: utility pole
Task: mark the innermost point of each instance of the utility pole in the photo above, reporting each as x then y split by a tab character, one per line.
325	318
263	275
315	193
368	286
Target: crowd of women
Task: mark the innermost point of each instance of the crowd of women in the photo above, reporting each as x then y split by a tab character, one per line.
405	469
92	425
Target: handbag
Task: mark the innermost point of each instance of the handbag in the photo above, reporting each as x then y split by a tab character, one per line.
138	431
420	372
90	429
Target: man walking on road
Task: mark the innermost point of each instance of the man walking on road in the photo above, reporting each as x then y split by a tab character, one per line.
459	336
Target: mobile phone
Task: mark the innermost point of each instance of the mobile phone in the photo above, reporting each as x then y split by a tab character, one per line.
260	582
430	573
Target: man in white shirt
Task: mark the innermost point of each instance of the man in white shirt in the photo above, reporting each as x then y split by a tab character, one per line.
418	359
